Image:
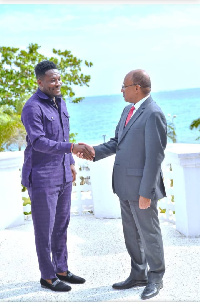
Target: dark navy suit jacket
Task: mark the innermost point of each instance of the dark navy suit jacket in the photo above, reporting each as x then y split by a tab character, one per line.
47	157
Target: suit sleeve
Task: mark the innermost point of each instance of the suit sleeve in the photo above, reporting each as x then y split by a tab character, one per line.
155	144
108	148
32	120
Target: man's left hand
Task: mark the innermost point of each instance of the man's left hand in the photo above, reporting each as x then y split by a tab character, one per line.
73	172
144	203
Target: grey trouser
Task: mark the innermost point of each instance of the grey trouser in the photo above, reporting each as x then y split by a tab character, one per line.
143	240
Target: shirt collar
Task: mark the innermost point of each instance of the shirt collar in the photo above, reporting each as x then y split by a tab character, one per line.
44	96
138	104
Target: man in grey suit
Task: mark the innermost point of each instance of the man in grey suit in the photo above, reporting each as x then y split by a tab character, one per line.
137	180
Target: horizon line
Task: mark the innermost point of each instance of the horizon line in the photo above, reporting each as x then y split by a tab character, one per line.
161	91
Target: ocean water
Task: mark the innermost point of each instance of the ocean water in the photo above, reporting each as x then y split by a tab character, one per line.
95	118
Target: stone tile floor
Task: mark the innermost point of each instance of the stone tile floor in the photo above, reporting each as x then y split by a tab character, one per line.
96	252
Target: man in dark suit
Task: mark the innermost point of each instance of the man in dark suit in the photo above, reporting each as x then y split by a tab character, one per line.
139	144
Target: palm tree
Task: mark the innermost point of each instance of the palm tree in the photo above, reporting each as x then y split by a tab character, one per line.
12	131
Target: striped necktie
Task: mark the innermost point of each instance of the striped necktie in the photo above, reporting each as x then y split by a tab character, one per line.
129	115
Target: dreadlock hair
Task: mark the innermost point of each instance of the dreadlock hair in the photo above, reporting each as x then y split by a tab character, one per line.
44	66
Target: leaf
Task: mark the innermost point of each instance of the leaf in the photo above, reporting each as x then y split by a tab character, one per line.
195	124
26	201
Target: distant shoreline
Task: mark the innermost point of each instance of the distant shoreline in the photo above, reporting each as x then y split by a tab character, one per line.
153	92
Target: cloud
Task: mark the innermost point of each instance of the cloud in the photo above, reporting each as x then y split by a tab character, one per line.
177	18
39	20
173	19
114	37
100	19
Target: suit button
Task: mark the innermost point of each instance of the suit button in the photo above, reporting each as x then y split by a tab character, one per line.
65	140
52	118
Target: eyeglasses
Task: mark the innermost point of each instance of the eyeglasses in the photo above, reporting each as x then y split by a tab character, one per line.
134	84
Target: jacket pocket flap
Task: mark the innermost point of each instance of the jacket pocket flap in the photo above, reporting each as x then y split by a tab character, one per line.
50	117
135	172
66	114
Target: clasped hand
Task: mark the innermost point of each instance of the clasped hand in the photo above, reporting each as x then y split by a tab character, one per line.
83	150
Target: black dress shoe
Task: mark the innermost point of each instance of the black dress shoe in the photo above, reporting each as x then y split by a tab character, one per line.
71	278
151	290
129	283
56	285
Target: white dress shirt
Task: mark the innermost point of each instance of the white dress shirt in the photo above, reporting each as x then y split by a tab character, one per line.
138	104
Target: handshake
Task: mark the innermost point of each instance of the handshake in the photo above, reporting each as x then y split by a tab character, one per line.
84	151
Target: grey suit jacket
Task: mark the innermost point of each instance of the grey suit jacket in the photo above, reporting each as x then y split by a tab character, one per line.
139	149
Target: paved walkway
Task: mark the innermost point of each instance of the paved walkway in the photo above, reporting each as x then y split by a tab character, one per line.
96	252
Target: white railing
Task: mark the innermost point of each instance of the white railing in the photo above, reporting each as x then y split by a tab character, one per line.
82	201
166	206
82	193
82	198
181	169
11	213
92	190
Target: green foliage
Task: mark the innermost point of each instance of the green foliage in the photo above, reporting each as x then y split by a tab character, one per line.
18	83
17	77
26	201
162	211
72	137
195	124
171	133
23	188
11	128
18	138
70	68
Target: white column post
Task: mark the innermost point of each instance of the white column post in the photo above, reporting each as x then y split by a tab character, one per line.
106	203
11	206
185	162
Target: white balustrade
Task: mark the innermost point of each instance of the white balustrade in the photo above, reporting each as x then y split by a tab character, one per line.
11	209
106	203
92	190
82	199
184	161
166	206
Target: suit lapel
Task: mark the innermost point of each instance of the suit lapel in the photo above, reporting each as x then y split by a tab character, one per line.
123	120
136	115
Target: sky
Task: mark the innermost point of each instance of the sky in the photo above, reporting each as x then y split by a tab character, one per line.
162	38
